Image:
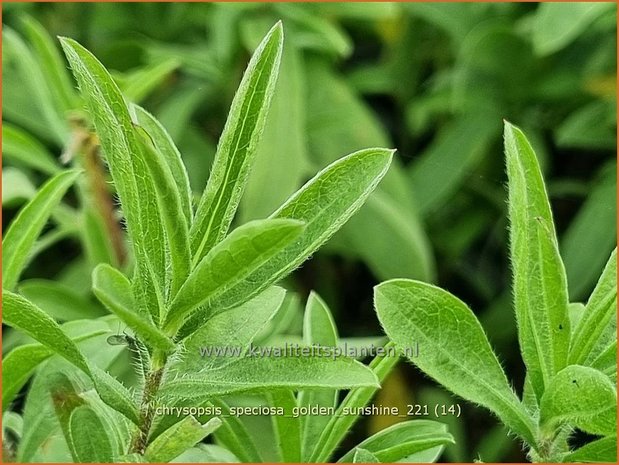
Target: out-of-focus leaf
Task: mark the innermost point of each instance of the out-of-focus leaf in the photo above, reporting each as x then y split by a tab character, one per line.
89	437
142	82
16	187
558	24
591	235
589	127
58	300
21	147
26	227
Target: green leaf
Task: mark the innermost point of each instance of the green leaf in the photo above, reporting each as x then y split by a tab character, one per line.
128	167
233	330
142	82
606	362
113	289
175	224
58	300
52	65
24	230
275	371
207	453
287	428
237	146
114	394
229	264
318	329
364	456
581	397
600	450
456	351
598	326
19	364
325	203
180	437
539	283
340	424
233	434
591	235
403	439
166	147
89	437
19	146
16	187
558	24
21	314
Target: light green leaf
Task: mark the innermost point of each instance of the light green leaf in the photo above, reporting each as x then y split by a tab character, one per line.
600	450
287	428
598	325
19	146
165	146
233	434
318	328
207	453
539	283
89	437
456	352
229	263
364	456
24	230
237	146
114	394
558	24
340	424
325	203
52	65
233	330
34	80
21	314
142	82
19	364
128	167
591	235
180	437
275	371
403	439
606	362
582	397
113	289
16	187
174	223
58	300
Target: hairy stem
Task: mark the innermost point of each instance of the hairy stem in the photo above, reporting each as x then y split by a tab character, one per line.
147	410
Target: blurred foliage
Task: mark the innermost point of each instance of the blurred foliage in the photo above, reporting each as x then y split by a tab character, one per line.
433	80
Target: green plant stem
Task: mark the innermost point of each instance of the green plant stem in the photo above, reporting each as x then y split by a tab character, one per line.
147	410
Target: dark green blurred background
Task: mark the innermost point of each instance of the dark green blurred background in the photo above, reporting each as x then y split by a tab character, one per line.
434	80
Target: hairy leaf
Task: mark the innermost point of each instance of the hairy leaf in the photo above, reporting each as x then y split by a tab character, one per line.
600	450
287	428
113	289
540	284
180	437
455	350
403	439
598	326
582	397
230	262
26	227
89	437
237	146
268	372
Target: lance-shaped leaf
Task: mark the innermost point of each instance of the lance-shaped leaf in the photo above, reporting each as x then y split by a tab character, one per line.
263	373
89	438
287	429
129	171
403	439
20	363
318	328
325	203
599	451
598	326
237	145
26	227
364	456
21	314
20	146
581	397
230	262
539	282
113	289
456	352
178	438
165	146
